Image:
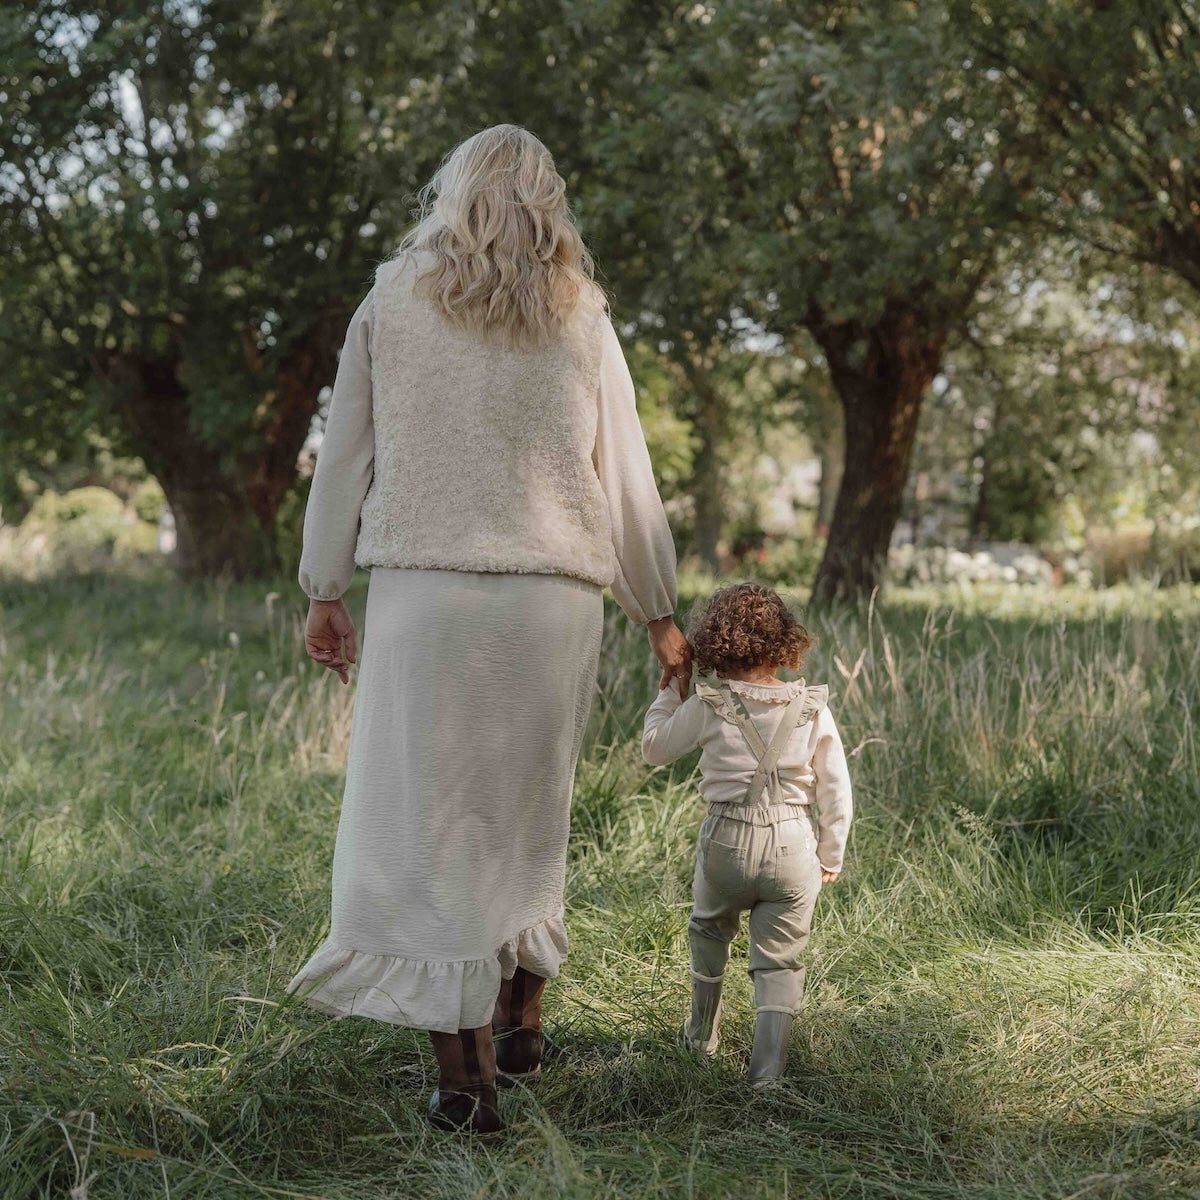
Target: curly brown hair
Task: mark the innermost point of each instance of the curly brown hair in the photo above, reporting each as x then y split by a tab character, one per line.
743	626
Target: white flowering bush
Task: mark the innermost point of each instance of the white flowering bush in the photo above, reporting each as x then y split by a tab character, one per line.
932	565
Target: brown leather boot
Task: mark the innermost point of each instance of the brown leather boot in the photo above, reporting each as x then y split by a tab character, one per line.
465	1100
517	1027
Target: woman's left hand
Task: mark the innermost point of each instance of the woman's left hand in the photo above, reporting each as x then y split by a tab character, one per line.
673	653
329	625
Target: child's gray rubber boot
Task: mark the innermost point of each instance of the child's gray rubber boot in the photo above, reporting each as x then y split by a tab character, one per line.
772	1035
702	1032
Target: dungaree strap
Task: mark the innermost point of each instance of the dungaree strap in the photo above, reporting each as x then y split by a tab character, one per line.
768	763
798	712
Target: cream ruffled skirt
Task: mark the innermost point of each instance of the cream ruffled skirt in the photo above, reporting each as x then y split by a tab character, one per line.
450	864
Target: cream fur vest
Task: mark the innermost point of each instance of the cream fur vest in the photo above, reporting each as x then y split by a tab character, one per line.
483	454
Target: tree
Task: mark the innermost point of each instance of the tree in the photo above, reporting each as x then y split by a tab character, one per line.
659	192
820	170
1111	93
601	85
1062	401
1107	95
190	195
888	188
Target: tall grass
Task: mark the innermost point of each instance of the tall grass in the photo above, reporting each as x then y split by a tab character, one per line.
1003	986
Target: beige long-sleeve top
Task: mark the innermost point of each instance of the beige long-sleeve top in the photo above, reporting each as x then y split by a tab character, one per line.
638	553
812	767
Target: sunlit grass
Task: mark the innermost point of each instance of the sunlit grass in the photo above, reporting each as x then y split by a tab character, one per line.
1003	995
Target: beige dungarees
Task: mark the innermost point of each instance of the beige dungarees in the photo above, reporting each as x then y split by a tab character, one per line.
761	856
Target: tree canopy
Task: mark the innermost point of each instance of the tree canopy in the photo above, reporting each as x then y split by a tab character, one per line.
787	204
193	196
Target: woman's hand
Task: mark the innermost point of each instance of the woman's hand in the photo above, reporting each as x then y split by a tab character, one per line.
673	653
329	624
828	877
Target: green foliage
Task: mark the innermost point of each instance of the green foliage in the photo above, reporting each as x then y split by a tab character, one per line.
1062	405
95	504
789	562
88	528
1002	987
670	436
1108	96
1021	495
823	163
194	197
149	501
77	527
895	181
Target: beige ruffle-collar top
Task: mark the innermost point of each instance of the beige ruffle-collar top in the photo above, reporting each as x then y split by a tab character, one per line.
812	768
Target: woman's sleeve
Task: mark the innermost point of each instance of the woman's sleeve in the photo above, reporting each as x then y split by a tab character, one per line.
344	466
644	580
835	802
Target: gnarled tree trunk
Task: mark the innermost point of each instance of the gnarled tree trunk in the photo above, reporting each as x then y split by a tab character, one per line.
880	372
225	505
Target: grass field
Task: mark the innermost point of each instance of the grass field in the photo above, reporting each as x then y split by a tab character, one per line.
1004	986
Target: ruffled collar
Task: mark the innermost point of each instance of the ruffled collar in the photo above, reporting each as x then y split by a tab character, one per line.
770	693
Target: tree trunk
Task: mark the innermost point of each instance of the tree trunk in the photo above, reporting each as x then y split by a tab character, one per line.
881	373
217	533
708	475
831	449
225	506
980	525
980	522
285	414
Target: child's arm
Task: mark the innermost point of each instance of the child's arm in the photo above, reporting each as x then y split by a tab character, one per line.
835	803
673	727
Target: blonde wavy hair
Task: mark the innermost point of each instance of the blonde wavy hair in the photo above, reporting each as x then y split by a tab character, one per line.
508	262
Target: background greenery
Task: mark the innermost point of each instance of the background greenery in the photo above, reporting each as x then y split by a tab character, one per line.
959	237
1003	995
950	251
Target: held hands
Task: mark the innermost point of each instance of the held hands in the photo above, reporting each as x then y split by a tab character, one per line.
673	653
329	624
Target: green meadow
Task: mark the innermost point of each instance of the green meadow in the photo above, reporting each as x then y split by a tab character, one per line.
1004	986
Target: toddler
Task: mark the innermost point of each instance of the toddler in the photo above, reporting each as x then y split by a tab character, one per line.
774	774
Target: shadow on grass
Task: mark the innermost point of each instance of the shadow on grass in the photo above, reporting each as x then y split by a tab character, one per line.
898	1104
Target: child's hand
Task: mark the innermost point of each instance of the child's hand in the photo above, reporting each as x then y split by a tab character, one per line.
828	877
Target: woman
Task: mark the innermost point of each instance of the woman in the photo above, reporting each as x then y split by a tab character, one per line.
483	458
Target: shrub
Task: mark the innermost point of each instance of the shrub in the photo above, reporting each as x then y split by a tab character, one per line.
80	530
77	527
138	539
1175	549
95	505
149	501
1121	552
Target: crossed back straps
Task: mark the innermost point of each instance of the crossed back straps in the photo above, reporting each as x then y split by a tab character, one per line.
800	710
